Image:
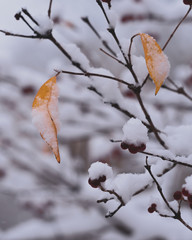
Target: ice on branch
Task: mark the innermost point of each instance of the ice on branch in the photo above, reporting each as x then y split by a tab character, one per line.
134	132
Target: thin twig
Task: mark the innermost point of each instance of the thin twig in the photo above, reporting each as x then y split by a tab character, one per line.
171	36
147	116
130	46
25	11
49	9
87	21
167	159
88	74
103	10
116	59
177	215
119	198
19	35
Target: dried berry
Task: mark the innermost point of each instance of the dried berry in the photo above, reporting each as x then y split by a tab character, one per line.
94	183
154	205
102	178
152	208
133	149
142	147
124	145
187	2
177	195
185	192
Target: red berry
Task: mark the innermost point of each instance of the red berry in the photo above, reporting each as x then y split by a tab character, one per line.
151	210
187	2
133	149
142	147
94	183
177	195
154	205
185	192
102	178
124	145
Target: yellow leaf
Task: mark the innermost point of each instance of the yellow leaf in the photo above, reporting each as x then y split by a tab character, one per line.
45	114
157	62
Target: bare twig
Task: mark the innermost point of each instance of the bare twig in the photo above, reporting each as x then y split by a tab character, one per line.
19	35
147	116
167	159
169	39
25	11
176	214
116	59
171	36
130	46
118	197
105	44
49	9
88	74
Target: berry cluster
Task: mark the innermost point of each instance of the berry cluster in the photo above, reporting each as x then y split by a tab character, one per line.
95	183
133	148
183	195
152	208
187	2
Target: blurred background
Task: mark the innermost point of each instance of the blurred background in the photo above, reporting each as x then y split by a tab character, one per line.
40	199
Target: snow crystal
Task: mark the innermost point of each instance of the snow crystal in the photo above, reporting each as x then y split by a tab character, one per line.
99	169
135	132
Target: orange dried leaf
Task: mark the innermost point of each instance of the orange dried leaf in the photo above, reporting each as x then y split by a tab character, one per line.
157	62
45	114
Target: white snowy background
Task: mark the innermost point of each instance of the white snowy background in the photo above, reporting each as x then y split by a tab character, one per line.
40	199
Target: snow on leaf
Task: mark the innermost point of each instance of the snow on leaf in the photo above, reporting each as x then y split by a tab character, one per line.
157	62
45	114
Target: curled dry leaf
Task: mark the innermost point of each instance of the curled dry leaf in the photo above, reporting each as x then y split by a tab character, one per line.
157	62
45	114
